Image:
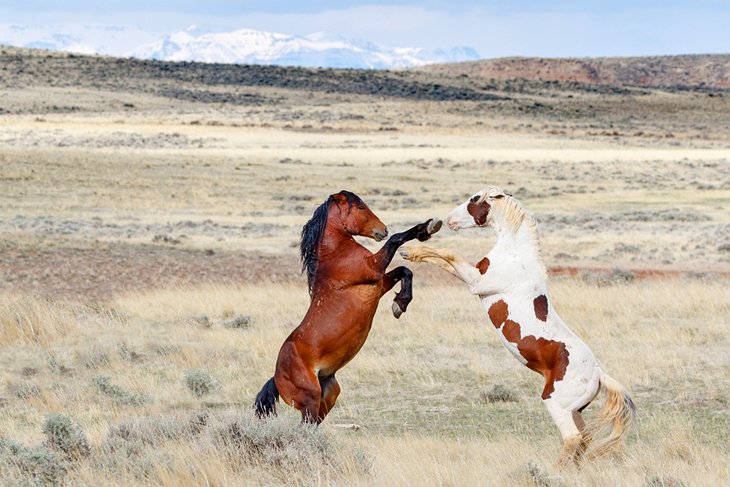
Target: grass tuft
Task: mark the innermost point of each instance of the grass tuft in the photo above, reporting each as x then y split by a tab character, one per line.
279	445
24	389
103	384
155	430
541	478
663	481
63	435
238	322
499	393
39	465
200	383
33	320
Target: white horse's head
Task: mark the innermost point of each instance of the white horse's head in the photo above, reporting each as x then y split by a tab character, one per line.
479	209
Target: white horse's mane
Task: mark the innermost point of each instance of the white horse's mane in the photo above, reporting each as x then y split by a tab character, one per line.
515	216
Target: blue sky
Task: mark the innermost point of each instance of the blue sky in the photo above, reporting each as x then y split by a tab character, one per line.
493	28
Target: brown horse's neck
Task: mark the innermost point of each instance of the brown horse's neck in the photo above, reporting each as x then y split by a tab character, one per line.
334	236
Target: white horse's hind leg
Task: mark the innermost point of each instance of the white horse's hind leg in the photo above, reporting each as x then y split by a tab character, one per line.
572	438
585	436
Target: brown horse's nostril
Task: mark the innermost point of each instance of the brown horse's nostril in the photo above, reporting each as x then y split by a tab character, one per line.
379	235
385	232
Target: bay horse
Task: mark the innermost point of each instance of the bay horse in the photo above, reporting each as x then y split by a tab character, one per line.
511	282
346	282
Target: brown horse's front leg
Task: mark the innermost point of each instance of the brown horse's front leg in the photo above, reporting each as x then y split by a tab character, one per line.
405	295
422	232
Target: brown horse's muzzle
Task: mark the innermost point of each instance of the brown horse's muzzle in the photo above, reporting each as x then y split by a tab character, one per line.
379	235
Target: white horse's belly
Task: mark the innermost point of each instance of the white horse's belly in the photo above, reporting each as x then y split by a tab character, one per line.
581	379
512	347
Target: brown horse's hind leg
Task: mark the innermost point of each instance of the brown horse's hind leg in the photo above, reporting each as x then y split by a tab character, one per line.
298	384
330	391
307	397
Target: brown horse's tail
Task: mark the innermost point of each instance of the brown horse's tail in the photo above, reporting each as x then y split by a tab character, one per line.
617	414
265	403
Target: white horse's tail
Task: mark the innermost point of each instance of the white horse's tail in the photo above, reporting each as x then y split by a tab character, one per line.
617	414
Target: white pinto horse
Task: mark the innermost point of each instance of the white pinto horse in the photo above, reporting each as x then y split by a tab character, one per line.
511	283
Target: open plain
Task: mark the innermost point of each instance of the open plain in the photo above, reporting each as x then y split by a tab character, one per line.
149	223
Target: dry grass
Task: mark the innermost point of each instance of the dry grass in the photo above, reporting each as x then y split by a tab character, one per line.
416	389
31	319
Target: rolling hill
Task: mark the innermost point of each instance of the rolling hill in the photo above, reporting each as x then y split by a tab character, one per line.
696	71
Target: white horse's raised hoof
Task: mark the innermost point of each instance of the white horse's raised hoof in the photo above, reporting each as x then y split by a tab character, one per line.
405	253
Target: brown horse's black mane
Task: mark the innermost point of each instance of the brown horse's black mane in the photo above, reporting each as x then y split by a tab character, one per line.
312	233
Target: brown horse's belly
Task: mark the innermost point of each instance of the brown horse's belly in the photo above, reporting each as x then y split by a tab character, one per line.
335	327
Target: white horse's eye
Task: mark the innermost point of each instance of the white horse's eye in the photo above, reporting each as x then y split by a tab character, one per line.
496	197
474	199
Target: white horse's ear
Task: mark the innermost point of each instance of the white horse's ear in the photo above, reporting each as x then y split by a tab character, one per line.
495	193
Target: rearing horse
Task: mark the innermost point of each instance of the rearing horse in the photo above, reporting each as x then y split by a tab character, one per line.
346	282
511	283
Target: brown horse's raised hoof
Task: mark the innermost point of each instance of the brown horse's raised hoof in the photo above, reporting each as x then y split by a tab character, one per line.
396	310
432	226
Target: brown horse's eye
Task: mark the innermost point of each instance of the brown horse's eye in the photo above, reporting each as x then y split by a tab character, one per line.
360	207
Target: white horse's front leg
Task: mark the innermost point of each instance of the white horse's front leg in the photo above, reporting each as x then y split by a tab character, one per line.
445	259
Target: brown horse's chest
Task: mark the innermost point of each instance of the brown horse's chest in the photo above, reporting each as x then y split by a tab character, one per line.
350	267
337	325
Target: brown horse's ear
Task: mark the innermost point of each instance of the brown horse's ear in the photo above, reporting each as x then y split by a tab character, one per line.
339	198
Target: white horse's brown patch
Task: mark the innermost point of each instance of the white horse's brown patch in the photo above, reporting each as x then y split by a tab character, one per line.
547	357
478	211
540	304
498	313
483	265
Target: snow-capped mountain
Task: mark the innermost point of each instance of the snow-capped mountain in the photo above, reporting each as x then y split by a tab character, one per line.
247	46
89	38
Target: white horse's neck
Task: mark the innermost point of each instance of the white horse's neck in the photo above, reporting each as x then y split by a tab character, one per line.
521	243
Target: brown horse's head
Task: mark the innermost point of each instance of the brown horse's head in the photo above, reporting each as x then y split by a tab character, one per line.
344	211
356	218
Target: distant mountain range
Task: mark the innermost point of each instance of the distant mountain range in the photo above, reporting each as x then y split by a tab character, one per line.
245	46
114	40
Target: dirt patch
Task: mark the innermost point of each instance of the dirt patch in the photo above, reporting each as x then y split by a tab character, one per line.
97	274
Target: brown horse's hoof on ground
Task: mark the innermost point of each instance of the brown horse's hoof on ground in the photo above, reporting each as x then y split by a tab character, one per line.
396	310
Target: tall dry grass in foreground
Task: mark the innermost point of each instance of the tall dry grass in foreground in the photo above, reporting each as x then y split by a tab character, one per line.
156	389
29	319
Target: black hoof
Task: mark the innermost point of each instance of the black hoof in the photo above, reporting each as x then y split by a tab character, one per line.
430	227
396	310
433	226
